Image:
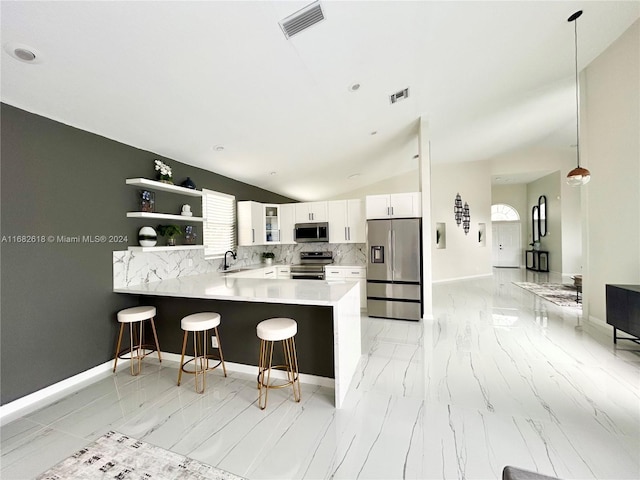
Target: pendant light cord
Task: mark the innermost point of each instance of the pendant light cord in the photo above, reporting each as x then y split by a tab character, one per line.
575	24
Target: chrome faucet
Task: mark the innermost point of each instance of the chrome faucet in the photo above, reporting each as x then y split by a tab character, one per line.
233	254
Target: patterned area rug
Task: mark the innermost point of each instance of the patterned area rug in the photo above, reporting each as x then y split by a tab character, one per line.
560	294
119	456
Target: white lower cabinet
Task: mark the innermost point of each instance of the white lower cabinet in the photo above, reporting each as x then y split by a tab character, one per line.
265	272
354	273
276	271
269	272
283	271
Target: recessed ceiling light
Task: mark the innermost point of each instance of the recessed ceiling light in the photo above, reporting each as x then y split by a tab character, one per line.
273	173
354	87
352	176
24	53
218	148
375	132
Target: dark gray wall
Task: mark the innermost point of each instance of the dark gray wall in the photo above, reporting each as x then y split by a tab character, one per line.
238	330
57	306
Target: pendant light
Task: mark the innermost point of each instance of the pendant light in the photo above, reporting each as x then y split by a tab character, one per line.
579	175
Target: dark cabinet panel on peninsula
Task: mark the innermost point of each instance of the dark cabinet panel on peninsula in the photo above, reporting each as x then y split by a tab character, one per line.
623	309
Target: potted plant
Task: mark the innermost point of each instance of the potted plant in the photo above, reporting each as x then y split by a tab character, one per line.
267	257
170	232
164	172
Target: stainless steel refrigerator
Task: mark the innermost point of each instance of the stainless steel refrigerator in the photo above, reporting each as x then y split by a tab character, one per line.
394	268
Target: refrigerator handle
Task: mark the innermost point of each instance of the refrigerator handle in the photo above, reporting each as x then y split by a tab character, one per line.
392	259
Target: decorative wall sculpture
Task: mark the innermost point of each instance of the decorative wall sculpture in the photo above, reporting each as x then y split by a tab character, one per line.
457	209
466	218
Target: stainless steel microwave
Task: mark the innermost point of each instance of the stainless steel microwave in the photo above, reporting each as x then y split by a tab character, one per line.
311	232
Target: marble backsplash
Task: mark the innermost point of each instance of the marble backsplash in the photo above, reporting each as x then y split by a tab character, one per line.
343	253
134	268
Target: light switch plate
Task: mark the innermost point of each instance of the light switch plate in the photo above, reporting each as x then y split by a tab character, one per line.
214	341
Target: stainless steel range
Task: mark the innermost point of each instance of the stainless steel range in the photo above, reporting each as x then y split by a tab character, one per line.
311	266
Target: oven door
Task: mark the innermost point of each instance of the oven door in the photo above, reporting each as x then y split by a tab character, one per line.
307	276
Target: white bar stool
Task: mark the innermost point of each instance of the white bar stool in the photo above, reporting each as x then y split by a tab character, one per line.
137	350
200	324
270	331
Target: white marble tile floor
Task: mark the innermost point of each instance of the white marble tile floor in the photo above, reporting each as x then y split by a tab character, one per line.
499	377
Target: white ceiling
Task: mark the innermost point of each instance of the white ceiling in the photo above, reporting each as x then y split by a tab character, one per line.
180	78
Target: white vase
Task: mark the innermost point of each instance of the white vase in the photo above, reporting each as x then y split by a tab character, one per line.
147	237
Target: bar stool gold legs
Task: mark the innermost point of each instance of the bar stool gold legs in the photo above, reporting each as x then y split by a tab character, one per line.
269	332
137	349
200	324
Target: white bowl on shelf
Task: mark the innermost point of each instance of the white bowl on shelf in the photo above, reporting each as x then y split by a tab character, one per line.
147	237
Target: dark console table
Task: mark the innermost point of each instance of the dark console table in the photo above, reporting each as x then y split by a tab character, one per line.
538	260
623	310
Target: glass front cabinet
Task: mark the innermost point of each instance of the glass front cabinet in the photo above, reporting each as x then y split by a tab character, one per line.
258	223
272	223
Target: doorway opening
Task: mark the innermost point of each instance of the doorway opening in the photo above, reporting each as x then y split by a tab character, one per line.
506	241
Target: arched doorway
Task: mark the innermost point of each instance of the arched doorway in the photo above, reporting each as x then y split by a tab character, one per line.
506	243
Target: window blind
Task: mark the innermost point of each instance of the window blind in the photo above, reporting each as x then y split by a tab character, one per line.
219	212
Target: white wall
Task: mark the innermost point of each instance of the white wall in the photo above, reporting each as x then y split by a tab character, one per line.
408	182
535	162
549	186
463	257
611	141
571	206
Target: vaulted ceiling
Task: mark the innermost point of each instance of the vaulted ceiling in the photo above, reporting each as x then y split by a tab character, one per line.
219	86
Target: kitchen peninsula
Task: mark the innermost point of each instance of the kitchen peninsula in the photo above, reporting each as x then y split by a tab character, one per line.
328	316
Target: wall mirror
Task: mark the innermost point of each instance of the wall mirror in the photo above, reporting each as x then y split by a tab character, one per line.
542	215
535	223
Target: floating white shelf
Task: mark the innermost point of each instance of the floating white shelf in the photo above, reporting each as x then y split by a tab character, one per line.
165	187
166	249
164	216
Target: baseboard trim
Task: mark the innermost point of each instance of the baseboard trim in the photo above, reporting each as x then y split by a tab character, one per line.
48	395
45	396
471	277
601	325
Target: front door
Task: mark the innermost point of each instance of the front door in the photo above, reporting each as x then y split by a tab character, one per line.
506	244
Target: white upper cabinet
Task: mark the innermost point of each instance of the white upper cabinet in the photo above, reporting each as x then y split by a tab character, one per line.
251	225
395	205
311	212
287	222
346	221
258	223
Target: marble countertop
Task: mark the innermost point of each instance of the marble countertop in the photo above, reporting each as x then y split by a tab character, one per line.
220	287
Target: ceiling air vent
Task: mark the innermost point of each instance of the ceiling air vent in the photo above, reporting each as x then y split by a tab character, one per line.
302	19
395	97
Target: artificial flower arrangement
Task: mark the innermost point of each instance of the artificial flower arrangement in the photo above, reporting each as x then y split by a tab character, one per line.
164	171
